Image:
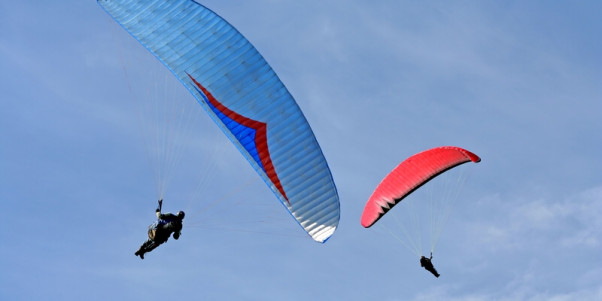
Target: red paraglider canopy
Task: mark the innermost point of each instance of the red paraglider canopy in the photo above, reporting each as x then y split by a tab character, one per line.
409	176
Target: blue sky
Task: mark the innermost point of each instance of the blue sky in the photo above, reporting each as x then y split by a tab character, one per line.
517	82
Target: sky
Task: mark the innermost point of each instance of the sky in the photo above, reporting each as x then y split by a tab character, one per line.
517	82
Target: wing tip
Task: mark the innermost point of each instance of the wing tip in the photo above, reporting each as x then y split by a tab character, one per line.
472	156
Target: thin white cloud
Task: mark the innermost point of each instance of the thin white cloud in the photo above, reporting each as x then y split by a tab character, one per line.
569	222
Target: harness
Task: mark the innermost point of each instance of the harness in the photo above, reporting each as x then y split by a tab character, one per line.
162	228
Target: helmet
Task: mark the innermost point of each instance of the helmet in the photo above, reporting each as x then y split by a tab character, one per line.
181	214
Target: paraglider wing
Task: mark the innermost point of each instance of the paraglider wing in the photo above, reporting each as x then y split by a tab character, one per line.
410	175
243	95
